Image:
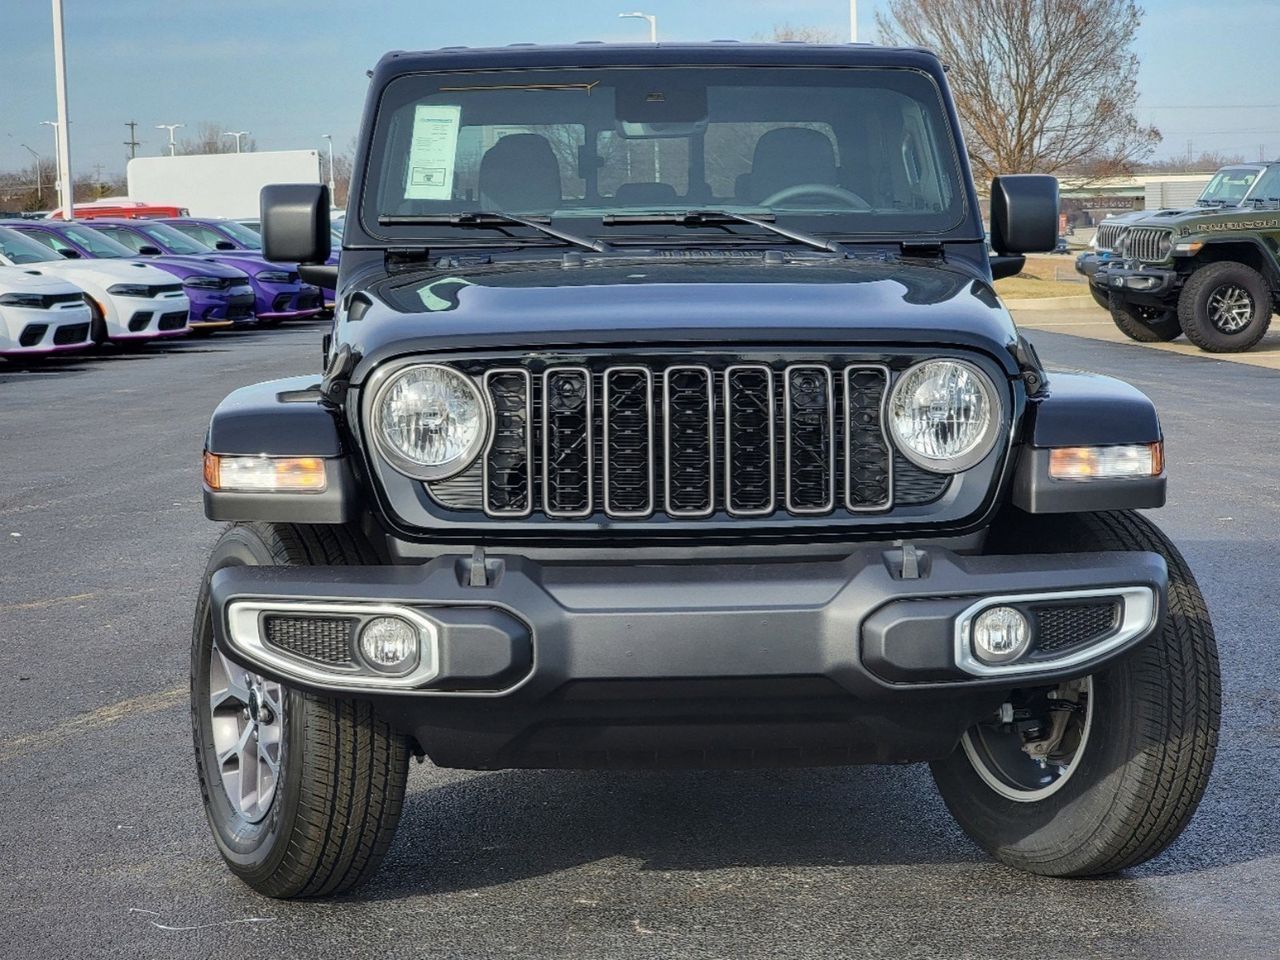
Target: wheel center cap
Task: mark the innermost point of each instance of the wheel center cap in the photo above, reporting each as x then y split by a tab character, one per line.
255	705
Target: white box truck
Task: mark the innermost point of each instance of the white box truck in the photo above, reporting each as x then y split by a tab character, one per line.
218	184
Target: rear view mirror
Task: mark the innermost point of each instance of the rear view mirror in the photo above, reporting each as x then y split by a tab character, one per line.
295	223
1024	214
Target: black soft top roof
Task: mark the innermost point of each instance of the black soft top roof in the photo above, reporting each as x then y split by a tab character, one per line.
717	53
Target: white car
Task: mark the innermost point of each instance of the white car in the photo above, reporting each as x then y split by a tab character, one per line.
40	314
129	300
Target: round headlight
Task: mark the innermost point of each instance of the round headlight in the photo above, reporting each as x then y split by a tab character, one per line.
944	415
429	421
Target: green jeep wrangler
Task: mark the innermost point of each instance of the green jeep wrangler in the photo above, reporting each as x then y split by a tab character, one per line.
1213	274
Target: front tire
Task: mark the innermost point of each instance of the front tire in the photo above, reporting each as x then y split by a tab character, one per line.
303	793
1126	782
1145	324
1225	307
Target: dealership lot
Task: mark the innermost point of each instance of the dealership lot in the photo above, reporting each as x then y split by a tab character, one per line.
102	541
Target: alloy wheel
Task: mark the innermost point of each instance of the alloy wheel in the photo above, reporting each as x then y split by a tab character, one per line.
246	712
1030	753
1230	308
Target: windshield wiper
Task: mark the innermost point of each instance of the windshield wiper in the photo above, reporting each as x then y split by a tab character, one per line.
480	219
711	218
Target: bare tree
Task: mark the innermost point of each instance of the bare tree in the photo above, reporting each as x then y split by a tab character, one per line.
1206	162
211	138
784	32
1041	86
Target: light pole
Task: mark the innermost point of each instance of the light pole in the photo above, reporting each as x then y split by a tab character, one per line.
653	38
653	23
39	186
173	146
66	199
333	187
853	21
237	134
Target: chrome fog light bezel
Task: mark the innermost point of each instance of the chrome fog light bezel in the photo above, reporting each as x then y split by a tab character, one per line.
245	634
1140	609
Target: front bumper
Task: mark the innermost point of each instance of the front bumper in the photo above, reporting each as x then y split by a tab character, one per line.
529	664
1138	283
294	302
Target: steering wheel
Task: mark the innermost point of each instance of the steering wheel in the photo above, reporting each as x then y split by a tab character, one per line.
824	190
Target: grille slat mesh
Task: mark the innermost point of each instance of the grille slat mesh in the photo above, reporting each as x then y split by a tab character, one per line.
507	486
690	449
750	471
868	461
567	468
628	440
810	439
324	639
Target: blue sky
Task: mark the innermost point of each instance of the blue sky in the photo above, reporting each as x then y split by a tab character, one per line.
290	71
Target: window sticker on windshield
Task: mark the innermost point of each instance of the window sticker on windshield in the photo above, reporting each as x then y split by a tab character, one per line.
432	154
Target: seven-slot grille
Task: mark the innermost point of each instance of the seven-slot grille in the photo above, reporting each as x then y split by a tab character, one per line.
687	440
1147	244
1109	234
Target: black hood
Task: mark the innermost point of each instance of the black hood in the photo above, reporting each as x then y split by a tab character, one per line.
680	301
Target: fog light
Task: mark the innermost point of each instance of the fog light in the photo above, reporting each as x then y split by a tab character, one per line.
389	643
1000	634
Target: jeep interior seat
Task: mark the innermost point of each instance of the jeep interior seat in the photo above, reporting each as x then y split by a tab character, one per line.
787	157
520	174
645	194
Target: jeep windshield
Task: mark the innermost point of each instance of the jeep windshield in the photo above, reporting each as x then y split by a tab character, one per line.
1229	186
847	153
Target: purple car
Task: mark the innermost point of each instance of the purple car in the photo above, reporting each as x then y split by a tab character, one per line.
279	293
221	295
224	234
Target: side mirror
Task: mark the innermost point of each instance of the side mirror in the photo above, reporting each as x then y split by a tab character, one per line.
147	250
295	223
69	253
1024	213
224	245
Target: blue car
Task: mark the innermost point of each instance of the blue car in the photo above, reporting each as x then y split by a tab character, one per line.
279	292
221	234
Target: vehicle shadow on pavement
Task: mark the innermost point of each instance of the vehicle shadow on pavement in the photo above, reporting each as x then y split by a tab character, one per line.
484	829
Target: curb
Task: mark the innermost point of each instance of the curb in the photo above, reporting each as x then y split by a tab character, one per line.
1051	303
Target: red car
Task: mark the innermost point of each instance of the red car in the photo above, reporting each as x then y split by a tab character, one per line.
131	209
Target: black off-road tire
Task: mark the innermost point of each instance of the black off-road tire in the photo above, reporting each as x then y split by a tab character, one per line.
1100	297
1193	307
341	789
1145	324
1149	755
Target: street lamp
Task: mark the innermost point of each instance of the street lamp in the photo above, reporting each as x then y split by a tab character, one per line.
333	188
173	146
653	23
237	134
66	186
57	182
853	21
39	187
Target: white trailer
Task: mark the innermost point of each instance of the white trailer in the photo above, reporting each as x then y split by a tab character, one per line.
218	184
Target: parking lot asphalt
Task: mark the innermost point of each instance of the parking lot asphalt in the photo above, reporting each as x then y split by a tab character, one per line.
106	852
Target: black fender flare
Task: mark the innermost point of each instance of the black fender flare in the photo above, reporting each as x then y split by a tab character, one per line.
283	418
1085	410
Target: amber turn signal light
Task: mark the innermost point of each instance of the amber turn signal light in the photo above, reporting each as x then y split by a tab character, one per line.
264	474
1107	463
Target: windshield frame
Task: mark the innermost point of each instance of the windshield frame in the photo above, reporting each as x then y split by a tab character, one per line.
375	232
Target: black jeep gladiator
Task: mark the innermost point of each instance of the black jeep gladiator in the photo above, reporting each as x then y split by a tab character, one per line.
669	418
